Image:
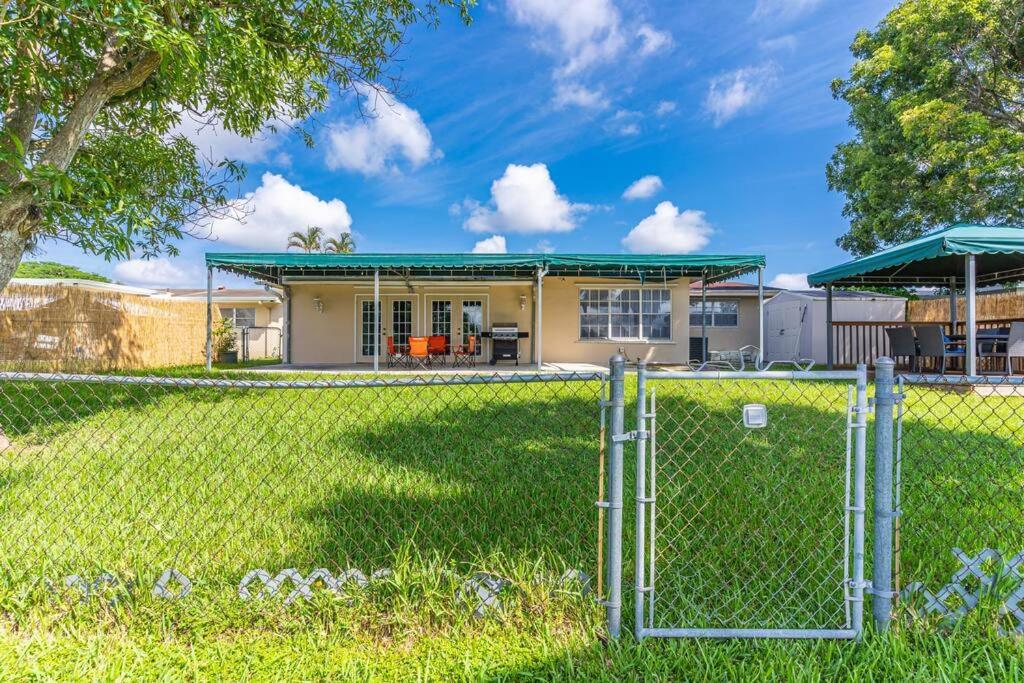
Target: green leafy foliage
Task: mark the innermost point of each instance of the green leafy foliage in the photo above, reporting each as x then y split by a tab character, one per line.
937	100
52	269
91	150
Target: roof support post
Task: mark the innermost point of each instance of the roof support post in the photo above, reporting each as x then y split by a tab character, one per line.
758	362
704	317
972	332
539	331
376	320
829	341
286	333
209	318
952	304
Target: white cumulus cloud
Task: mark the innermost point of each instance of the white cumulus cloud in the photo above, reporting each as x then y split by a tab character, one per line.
263	218
574	94
668	231
652	40
664	108
492	245
642	188
390	133
790	281
732	92
525	200
154	272
582	32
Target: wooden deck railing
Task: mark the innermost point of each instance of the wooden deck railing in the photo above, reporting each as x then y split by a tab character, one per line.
863	342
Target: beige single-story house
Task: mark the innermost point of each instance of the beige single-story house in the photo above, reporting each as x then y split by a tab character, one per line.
564	308
732	315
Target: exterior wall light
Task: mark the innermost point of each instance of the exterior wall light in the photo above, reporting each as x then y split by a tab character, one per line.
318	304
522	302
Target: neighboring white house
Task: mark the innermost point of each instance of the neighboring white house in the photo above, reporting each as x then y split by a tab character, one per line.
796	327
256	313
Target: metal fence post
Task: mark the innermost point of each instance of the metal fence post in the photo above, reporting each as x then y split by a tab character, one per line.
616	429
881	581
641	497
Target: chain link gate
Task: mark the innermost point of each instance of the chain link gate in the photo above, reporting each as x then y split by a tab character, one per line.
750	504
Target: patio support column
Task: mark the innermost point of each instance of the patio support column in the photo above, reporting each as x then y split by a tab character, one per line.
704	317
209	318
540	317
829	343
952	304
286	333
376	320
970	276
759	361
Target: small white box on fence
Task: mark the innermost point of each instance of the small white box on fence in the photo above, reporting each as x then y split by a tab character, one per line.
755	416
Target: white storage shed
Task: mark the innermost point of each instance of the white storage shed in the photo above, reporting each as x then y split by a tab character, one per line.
796	321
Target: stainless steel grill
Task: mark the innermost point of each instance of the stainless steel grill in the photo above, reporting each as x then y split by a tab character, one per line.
505	342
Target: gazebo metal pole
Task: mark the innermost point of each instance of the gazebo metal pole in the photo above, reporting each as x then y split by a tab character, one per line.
970	277
760	318
540	318
209	318
829	342
704	317
952	304
376	320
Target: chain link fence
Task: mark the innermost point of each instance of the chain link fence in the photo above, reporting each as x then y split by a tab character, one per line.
219	490
959	530
749	504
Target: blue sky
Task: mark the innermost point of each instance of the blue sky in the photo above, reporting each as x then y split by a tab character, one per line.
525	130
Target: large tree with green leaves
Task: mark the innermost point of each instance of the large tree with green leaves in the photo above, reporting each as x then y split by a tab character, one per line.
92	92
937	101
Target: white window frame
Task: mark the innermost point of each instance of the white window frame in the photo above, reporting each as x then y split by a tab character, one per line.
234	314
607	339
711	313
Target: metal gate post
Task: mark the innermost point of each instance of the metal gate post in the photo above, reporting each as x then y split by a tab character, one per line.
881	580
617	403
859	493
641	497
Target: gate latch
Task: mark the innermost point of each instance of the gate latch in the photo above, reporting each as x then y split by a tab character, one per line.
635	435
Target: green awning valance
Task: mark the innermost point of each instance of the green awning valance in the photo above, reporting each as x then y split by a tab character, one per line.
932	259
277	267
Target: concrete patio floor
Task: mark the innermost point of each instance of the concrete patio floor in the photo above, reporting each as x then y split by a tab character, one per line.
479	368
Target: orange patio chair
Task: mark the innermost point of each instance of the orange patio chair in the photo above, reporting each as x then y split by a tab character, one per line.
465	356
437	348
395	356
418	352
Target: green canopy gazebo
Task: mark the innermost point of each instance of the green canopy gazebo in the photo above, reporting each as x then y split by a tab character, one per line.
960	256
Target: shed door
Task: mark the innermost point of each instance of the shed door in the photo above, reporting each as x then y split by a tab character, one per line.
785	320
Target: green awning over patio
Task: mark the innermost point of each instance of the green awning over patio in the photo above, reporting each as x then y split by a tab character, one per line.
932	259
276	267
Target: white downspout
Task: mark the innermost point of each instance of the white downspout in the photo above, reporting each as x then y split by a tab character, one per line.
759	361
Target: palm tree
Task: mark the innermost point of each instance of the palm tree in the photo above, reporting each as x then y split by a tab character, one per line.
308	241
340	245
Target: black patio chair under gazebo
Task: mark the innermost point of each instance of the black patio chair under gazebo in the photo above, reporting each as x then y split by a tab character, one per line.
958	256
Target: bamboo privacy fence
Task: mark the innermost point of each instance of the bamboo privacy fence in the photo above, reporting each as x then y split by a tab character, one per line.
64	328
990	306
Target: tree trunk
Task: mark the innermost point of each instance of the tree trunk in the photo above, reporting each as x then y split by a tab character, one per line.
19	216
12	248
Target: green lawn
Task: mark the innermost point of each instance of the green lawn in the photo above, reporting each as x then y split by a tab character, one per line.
438	483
